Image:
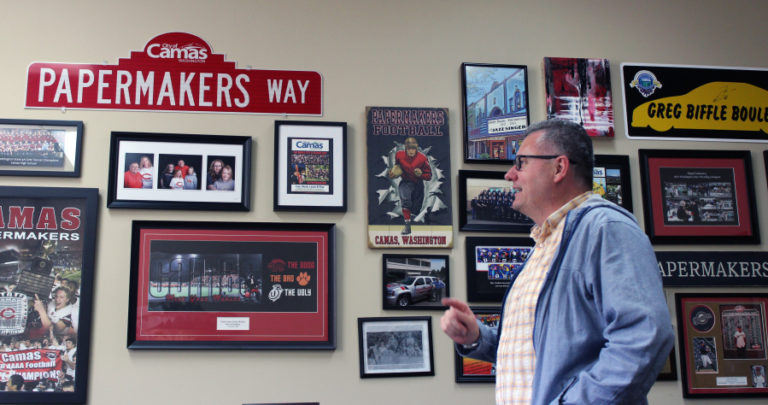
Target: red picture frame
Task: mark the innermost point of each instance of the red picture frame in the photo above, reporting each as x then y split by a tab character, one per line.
209	285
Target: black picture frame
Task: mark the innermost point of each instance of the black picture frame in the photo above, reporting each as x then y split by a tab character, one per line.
711	364
492	263
719	182
469	370
611	179
489	216
486	86
415	281
272	289
765	165
153	189
325	144
31	269
54	149
389	346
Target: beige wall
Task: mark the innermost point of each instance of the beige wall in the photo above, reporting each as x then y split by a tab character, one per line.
393	53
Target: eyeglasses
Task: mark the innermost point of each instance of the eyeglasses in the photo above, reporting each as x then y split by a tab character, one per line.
519	159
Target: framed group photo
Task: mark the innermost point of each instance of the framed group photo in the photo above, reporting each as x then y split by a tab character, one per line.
233	285
485	201
40	148
473	370
495	111
415	281
179	171
492	264
611	179
699	196
723	339
395	346
310	166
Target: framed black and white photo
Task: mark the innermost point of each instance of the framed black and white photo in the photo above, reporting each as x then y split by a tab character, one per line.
179	171
492	263
485	201
415	281
310	166
395	346
611	179
40	148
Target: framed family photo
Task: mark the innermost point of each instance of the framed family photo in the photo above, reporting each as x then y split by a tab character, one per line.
472	370
46	293
722	339
235	285
486	198
611	179
179	171
310	166
492	263
495	111
415	281
395	346
40	148
699	196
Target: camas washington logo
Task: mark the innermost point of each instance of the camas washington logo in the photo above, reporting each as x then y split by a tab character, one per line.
188	53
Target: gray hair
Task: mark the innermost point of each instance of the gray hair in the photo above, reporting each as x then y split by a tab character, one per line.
571	140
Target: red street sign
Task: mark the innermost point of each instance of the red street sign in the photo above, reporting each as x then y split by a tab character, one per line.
176	71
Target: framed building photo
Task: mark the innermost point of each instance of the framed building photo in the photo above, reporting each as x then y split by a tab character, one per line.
486	200
495	111
473	370
310	166
415	281
40	148
46	293
723	344
492	263
179	171
395	346
611	179
217	285
699	196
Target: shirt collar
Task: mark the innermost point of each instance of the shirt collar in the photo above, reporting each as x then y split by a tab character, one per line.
540	233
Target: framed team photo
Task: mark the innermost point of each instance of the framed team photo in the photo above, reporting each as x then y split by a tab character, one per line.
473	370
486	198
699	196
415	281
231	285
179	171
40	148
46	293
395	346
611	179
492	263
310	166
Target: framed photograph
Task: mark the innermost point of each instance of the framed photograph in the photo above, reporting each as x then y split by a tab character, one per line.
310	166
669	371
611	179
46	293
495	111
415	281
40	148
492	263
179	171
722	340
395	347
217	285
699	197
473	370
486	200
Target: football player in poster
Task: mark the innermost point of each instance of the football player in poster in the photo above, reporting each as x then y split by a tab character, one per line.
413	168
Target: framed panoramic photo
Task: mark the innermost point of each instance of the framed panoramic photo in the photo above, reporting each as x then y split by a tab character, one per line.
699	196
415	281
722	340
310	166
485	199
46	292
179	171
611	179
495	111
40	148
239	285
473	370
395	346
492	263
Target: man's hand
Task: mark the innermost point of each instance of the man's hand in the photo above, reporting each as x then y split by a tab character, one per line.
459	322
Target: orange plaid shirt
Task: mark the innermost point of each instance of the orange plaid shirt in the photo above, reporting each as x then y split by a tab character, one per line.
516	357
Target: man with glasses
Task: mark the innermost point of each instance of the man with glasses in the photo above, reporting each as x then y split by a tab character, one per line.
585	321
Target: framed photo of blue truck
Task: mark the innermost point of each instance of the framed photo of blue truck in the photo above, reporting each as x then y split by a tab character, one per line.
415	281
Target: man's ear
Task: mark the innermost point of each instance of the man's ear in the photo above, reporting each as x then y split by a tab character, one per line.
562	168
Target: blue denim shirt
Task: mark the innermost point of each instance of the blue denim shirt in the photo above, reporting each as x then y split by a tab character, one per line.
602	328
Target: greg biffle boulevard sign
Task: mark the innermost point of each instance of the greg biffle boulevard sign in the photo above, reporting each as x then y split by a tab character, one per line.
175	72
713	269
695	102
